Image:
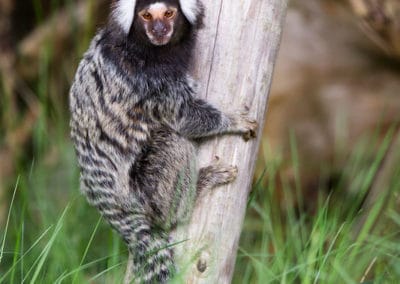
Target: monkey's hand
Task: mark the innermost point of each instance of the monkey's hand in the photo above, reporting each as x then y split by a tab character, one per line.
244	125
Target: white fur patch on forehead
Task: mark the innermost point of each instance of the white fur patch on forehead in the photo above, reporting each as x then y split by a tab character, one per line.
190	9
157	6
124	12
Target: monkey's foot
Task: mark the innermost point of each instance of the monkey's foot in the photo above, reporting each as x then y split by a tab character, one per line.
216	174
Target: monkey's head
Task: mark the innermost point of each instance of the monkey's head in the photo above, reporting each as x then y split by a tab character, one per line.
158	22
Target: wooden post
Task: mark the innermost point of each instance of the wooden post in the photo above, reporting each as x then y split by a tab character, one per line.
235	60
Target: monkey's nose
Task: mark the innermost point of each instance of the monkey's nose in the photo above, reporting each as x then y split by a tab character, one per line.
159	29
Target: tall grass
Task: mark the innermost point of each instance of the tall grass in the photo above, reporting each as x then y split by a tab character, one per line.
53	236
337	243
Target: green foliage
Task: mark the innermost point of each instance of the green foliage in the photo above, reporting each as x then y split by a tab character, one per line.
53	236
338	242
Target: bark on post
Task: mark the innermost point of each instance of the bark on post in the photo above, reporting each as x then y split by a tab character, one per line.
235	60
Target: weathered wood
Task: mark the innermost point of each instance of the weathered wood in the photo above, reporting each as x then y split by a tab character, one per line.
235	60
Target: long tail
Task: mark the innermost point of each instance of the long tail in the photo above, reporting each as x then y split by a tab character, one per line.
149	248
151	254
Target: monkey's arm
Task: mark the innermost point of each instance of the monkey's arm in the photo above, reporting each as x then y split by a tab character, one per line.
198	119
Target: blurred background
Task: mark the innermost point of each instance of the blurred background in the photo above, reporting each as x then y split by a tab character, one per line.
324	208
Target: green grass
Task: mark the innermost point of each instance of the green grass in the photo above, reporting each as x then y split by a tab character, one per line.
334	244
53	236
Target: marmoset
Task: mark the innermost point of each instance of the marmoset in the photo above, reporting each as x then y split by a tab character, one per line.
134	120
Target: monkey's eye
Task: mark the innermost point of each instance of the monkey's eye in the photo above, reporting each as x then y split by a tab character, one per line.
169	14
147	16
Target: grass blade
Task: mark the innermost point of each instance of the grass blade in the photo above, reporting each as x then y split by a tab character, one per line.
8	221
42	258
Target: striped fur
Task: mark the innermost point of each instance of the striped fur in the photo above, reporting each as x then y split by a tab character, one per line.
134	115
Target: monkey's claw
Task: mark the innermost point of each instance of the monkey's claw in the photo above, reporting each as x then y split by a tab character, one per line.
252	131
217	174
224	174
247	126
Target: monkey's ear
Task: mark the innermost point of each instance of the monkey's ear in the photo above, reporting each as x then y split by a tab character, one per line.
123	12
193	11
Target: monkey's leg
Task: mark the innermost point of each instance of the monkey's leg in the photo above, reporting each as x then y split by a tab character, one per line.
163	181
166	175
168	183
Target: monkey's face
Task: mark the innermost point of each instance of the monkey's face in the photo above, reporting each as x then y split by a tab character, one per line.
158	21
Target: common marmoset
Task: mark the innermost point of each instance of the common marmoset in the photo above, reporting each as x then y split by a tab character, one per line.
134	117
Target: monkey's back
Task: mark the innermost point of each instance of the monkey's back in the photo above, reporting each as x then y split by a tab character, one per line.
108	127
115	116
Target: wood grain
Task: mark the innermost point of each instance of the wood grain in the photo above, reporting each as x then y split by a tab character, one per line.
235	60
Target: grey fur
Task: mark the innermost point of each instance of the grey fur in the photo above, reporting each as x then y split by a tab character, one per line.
133	136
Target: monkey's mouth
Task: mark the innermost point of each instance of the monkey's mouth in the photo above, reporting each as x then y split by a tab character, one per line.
159	40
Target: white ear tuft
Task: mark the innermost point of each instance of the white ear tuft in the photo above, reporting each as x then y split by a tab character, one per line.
124	12
191	9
